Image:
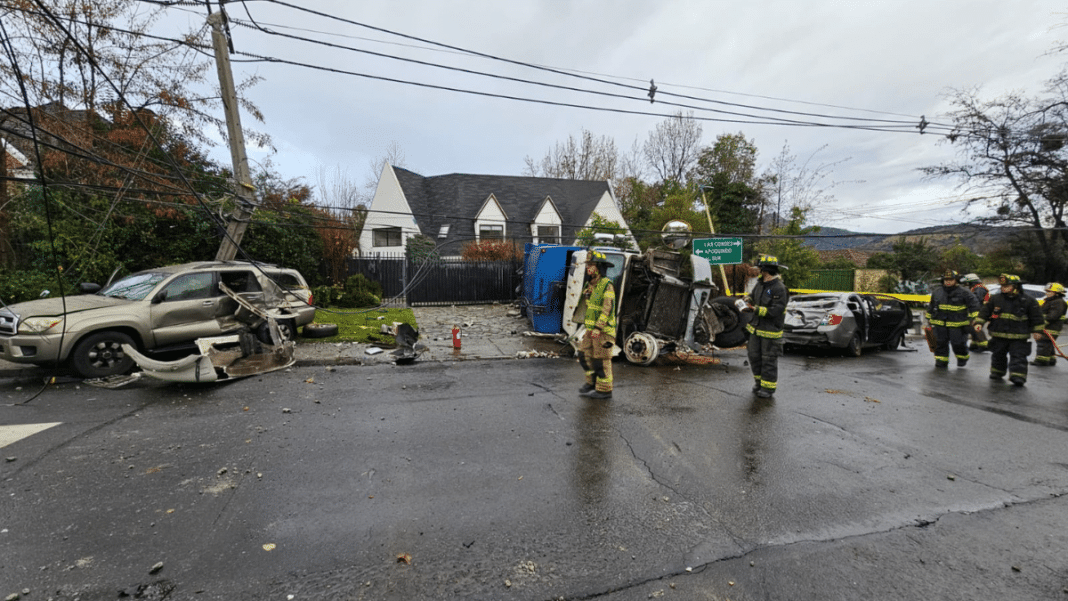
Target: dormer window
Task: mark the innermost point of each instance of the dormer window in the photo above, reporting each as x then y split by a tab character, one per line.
444	231
491	231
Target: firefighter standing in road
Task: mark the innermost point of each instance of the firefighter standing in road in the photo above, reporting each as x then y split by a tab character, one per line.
767	301
979	340
595	348
1013	317
1053	310
950	312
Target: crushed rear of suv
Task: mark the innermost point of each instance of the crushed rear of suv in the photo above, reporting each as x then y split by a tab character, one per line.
152	310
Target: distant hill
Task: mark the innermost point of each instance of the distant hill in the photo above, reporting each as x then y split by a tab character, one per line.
978	238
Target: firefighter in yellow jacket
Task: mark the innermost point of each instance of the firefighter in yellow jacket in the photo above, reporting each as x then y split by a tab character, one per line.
595	348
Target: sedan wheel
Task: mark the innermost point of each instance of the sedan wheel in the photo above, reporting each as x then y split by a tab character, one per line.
854	347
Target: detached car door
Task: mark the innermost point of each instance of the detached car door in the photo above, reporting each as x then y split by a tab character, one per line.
186	309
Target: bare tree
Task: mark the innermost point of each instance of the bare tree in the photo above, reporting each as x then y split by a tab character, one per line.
587	158
392	155
802	186
1013	160
97	57
672	148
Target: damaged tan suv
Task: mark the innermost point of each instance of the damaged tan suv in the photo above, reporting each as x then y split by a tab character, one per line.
155	310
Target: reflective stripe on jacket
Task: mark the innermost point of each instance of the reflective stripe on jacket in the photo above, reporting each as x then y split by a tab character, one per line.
1014	316
953	307
601	307
1054	312
769	303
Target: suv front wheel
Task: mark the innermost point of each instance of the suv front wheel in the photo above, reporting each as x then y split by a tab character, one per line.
100	355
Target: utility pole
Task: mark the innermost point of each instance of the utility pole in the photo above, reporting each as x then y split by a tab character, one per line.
246	204
712	230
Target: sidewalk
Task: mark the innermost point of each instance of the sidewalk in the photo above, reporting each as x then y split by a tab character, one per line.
487	332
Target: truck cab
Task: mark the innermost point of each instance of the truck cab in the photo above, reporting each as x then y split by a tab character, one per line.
665	302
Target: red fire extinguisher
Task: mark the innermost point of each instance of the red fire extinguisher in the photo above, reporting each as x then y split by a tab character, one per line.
455	336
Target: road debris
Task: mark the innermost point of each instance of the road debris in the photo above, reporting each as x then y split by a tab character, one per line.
156	568
404	558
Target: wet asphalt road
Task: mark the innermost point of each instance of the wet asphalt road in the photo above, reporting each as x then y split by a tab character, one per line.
869	478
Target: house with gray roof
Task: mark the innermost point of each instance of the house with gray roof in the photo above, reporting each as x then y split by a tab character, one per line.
457	209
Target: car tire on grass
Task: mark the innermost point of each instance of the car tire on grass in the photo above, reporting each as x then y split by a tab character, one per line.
100	355
320	330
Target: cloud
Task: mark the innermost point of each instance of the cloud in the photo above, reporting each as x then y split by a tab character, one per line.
883	59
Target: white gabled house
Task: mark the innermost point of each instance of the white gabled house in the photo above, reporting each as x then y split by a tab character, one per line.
457	208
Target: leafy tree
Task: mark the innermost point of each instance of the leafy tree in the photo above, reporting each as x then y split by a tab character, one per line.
998	261
799	259
838	263
732	156
726	173
600	225
283	231
733	206
677	205
910	260
959	258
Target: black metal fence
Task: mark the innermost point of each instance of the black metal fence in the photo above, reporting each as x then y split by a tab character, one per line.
441	281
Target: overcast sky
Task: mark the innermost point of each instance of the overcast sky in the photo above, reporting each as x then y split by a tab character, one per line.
893	59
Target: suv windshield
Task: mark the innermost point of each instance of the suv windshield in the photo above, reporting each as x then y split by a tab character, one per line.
136	286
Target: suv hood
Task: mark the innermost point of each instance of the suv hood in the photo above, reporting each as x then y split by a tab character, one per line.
54	306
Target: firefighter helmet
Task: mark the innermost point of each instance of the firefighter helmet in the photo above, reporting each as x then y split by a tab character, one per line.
951	275
597	256
769	261
1008	279
970	278
1055	288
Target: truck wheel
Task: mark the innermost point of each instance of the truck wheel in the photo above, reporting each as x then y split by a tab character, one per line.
734	333
641	348
100	355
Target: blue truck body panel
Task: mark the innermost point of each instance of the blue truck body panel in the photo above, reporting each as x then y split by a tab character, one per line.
544	283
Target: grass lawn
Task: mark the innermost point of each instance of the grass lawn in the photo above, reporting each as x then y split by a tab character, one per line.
362	325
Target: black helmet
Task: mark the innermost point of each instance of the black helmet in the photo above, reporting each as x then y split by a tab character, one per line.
951	275
769	261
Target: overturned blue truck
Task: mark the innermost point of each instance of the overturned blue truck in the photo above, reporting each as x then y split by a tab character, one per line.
666	302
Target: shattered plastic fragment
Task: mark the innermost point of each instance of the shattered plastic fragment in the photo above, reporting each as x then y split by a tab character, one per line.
404	558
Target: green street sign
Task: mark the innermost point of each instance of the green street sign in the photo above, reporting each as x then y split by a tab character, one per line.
719	251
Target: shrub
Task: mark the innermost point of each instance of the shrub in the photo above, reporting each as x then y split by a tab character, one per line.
887	284
326	296
17	286
360	292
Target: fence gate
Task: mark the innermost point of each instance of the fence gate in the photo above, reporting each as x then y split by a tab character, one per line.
442	281
449	282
